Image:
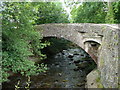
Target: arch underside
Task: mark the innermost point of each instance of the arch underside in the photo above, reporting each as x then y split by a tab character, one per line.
82	44
75	38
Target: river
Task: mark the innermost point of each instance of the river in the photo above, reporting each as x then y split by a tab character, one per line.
66	69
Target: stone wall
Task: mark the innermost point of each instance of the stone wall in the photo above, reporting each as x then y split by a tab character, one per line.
108	57
93	80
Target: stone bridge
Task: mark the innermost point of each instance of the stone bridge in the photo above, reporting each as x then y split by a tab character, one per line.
100	41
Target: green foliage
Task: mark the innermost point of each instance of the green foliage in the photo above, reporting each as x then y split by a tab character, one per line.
110	15
51	12
89	12
113	14
17	86
116	10
97	12
99	84
27	87
20	40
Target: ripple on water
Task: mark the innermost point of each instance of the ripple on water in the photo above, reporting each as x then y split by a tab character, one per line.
61	72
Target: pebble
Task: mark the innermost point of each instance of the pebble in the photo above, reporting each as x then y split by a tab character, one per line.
57	65
80	84
77	61
60	74
76	69
70	56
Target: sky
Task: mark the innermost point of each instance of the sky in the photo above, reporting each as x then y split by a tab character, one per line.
69	7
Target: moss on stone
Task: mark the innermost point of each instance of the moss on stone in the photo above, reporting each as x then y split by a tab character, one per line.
99	84
103	28
115	43
118	84
115	36
98	79
101	62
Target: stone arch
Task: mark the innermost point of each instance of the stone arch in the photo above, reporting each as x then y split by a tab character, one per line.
77	42
72	36
93	56
90	45
76	33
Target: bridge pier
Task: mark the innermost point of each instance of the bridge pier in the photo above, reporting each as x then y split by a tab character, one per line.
92	49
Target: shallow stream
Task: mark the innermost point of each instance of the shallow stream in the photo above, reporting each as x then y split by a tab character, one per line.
67	69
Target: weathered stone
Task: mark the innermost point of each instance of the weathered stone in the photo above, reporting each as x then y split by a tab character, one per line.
93	80
76	54
77	61
70	56
104	51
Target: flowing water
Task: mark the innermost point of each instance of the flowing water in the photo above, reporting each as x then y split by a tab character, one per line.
67	69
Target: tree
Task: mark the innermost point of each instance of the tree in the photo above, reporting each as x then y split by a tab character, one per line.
51	12
89	12
97	12
19	39
110	14
116	11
